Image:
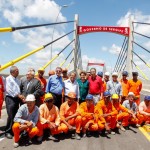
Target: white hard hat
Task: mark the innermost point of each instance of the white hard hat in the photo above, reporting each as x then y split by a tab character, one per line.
131	94
115	74
30	98
107	74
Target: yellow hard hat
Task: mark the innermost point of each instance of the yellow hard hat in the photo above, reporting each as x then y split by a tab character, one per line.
41	69
48	96
115	96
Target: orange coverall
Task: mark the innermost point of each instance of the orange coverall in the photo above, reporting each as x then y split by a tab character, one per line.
143	113
66	111
136	88
104	86
124	84
51	116
32	131
1	94
101	109
123	114
87	117
43	86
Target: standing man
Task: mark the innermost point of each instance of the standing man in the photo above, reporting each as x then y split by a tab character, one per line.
114	86
26	120
43	82
134	85
71	85
32	86
106	79
64	74
55	86
83	86
124	84
12	99
1	94
95	86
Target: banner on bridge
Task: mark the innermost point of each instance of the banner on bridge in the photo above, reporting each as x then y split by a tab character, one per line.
98	64
118	30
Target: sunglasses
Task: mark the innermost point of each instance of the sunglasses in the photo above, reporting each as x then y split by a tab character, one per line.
49	101
58	71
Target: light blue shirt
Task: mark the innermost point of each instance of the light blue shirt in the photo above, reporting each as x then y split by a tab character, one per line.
114	87
23	115
12	86
133	108
55	85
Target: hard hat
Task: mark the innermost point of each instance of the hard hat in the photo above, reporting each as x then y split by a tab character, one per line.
115	96
89	97
125	73
100	73
106	94
30	98
131	94
114	74
107	74
147	98
51	72
41	69
72	95
48	96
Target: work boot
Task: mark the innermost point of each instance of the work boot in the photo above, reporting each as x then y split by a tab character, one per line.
77	136
16	144
39	139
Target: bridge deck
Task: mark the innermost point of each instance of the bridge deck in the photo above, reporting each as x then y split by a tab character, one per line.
129	140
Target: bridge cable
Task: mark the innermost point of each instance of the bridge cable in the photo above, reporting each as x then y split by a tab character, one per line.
141	34
142	73
142	23
141	59
141	46
69	63
12	62
10	29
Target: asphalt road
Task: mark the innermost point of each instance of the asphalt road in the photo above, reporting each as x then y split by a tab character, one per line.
132	139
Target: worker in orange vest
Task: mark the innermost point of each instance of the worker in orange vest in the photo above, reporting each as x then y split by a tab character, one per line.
135	85
124	83
86	111
106	112
123	115
1	93
42	80
106	79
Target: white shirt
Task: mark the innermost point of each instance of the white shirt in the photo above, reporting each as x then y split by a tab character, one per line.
12	86
71	87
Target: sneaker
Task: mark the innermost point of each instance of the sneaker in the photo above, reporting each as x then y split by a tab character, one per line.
16	145
39	139
122	128
77	136
138	125
53	138
112	133
84	135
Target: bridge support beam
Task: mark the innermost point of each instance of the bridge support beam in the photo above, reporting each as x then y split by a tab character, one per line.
129	67
76	19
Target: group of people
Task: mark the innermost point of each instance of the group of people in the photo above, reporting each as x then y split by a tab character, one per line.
63	103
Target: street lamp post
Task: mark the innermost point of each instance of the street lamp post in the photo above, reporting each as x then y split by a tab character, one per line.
54	31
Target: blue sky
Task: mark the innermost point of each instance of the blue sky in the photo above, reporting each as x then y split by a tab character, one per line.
96	47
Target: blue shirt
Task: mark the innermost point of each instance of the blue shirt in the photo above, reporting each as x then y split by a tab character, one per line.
23	115
55	85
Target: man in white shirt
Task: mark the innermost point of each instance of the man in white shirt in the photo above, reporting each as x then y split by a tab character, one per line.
71	85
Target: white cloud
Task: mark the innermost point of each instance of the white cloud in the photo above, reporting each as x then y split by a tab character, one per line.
114	49
104	48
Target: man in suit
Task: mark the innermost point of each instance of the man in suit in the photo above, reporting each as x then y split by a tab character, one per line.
32	86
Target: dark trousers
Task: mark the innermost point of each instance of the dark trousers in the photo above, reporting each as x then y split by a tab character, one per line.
57	100
12	106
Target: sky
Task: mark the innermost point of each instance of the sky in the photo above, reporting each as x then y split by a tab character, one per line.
95	47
